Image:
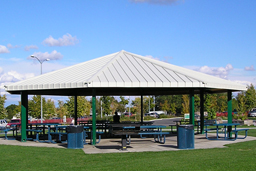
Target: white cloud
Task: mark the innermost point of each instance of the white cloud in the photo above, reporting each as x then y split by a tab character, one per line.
15	59
166	58
244	82
251	68
3	49
21	70
54	55
161	2
13	76
237	75
229	67
27	48
1	70
218	72
66	40
151	57
11	46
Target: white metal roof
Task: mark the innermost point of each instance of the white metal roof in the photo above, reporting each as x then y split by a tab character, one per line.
123	69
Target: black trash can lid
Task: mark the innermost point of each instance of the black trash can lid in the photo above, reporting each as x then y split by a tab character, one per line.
75	129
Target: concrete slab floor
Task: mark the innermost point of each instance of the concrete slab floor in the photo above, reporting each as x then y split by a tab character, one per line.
113	145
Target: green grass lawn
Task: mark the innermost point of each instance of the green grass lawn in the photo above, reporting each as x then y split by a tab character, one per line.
238	156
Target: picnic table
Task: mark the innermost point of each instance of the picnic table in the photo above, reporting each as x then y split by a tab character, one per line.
180	122
224	128
40	128
13	128
61	130
126	130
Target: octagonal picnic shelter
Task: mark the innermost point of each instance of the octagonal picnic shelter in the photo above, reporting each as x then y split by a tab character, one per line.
122	74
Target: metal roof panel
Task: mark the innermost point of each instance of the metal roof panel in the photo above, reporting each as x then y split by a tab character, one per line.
123	69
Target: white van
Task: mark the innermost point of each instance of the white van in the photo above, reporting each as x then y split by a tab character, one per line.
3	123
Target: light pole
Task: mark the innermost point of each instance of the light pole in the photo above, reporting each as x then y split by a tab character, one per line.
41	62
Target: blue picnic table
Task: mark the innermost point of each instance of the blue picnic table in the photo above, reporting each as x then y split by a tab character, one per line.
224	128
13	128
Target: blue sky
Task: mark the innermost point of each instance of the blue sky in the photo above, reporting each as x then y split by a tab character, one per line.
214	37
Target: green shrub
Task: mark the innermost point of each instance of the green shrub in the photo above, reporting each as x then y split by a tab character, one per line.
164	116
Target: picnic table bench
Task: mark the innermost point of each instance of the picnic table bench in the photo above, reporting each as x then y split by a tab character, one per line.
88	129
6	130
155	130
36	131
237	130
60	131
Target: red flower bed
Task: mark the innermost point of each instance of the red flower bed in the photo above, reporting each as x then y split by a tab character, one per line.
223	114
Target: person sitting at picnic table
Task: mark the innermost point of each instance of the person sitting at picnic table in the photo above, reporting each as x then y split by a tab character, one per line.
116	118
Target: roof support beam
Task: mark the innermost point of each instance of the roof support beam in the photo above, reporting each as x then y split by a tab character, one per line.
141	109
24	115
75	108
202	111
192	107
229	111
94	117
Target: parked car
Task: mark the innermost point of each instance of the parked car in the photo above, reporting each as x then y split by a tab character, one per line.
13	122
128	114
152	114
252	113
3	123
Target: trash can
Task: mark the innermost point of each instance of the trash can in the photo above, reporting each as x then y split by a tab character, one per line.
185	138
75	136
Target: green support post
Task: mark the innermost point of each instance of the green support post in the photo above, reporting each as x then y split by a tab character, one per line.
229	111
202	111
192	108
94	118
75	108
141	109
229	106
24	115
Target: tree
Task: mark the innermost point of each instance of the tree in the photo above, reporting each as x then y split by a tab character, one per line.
114	105
98	104
121	104
250	98
83	106
2	109
241	101
234	104
185	104
136	107
197	103
106	102
136	103
49	109
34	106
12	110
174	103
210	105
61	109
222	104
151	102
166	107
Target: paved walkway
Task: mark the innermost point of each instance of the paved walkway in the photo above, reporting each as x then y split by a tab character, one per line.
113	145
